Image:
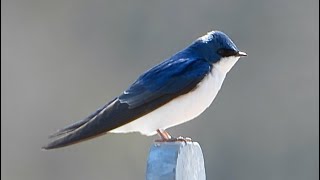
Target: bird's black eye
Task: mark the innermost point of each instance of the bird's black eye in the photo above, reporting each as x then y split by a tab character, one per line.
226	52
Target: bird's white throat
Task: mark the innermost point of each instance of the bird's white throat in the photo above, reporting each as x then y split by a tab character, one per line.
225	64
185	107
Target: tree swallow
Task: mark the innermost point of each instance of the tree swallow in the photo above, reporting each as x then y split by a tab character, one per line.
173	92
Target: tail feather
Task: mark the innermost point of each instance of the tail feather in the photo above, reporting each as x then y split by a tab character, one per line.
72	137
79	131
69	128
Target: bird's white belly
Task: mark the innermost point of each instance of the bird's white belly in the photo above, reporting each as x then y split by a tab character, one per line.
179	110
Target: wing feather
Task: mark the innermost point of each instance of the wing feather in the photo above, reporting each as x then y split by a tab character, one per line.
153	89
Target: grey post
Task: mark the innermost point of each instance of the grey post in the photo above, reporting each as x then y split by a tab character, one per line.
175	161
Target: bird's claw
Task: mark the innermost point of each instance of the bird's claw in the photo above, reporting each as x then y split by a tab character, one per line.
184	139
178	139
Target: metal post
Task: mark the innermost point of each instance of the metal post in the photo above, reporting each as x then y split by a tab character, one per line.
175	161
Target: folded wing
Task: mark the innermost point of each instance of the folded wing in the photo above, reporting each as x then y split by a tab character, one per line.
153	89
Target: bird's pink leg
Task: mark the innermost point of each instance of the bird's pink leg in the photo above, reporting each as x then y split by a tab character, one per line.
166	137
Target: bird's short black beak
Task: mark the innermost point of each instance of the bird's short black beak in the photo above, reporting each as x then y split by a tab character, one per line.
240	53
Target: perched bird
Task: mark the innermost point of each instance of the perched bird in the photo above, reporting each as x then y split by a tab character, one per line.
173	92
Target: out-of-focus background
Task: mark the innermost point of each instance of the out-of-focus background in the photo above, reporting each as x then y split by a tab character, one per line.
61	60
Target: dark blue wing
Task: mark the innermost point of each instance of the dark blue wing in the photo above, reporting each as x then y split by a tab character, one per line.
153	89
170	77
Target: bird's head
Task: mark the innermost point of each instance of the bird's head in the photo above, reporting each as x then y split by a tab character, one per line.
218	49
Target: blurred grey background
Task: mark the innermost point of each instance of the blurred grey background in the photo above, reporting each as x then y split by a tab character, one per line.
61	60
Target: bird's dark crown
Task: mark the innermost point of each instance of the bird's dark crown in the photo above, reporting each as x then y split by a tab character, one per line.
213	47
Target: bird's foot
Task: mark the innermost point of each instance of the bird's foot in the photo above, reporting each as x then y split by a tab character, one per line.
173	139
166	137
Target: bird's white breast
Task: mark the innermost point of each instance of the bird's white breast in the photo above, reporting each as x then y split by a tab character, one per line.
183	108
